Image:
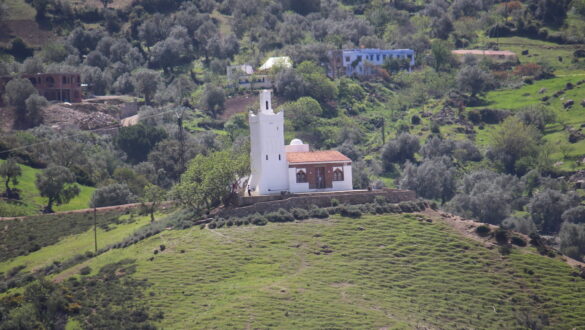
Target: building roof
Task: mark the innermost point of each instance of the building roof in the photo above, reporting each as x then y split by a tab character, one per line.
483	52
283	61
316	157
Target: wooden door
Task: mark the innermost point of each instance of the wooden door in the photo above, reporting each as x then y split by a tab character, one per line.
320	176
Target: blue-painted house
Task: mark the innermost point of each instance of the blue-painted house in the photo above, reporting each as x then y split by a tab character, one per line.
365	62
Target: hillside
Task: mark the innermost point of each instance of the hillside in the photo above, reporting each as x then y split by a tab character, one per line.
31	202
395	271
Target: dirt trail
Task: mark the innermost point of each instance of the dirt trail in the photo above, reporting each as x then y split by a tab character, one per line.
99	210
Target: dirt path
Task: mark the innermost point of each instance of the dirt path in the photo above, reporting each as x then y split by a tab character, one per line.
130	121
99	210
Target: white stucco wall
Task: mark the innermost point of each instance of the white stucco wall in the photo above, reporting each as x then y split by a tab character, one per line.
293	186
347	183
267	155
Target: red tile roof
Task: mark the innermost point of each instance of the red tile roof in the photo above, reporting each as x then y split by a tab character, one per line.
316	157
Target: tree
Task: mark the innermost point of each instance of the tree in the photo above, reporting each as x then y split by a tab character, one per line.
57	183
213	100
514	141
474	80
10	171
486	196
574	215
208	180
441	54
547	207
34	104
17	91
572	237
153	196
303	113
146	83
289	84
113	194
536	115
138	140
433	179
400	149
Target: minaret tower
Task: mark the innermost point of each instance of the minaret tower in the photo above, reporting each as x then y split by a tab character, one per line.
267	156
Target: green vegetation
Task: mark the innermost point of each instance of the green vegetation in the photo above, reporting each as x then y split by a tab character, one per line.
21	237
391	270
31	202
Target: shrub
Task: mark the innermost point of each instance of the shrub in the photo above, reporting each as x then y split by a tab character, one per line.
408	207
319	213
380	200
281	215
505	249
257	219
229	223
335	202
483	230
162	247
351	211
211	225
85	270
501	236
300	214
518	241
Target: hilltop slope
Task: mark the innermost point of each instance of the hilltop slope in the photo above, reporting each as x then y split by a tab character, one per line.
403	270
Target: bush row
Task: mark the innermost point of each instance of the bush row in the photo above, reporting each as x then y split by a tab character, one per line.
379	206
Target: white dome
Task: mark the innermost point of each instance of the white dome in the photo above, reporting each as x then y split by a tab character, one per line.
296	142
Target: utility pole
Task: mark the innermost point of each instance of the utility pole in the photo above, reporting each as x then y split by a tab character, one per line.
95	227
383	130
181	136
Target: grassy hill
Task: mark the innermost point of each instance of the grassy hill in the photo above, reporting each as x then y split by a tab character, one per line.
32	202
395	271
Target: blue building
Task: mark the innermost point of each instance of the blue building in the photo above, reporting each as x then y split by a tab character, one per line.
365	62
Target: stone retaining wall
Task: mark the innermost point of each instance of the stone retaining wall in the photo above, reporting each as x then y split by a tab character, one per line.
264	204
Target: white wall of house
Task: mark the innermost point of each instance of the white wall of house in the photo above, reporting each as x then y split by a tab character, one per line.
347	183
293	186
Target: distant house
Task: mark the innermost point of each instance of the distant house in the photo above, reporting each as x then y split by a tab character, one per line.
495	55
244	76
63	87
365	62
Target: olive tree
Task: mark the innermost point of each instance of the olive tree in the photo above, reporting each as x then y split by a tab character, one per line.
209	179
113	194
10	171
57	183
433	179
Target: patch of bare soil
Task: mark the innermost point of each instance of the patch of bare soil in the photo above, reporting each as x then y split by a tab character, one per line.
7	118
241	103
27	30
80	116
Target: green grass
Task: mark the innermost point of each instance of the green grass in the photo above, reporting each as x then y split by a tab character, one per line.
75	244
540	51
395	271
19	10
32	202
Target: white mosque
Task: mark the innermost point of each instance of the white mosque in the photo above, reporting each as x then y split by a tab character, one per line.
277	167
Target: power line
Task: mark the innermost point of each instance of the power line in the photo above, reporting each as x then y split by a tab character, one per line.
105	128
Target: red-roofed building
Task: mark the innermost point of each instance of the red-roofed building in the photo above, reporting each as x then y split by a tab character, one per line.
294	167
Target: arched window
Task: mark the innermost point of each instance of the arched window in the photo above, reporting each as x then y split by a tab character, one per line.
266	105
338	175
266	156
301	176
279	157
